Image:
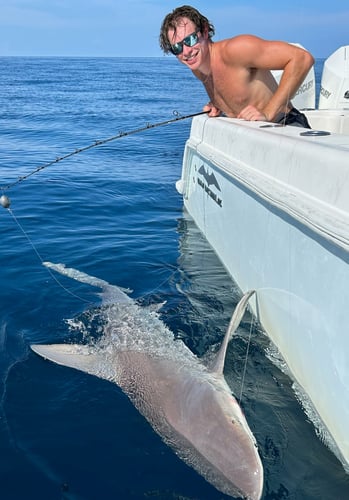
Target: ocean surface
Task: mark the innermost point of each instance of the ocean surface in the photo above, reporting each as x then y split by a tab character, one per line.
112	211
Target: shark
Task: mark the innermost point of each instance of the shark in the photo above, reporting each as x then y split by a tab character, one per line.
185	400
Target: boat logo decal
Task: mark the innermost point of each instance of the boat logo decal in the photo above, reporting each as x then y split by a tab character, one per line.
305	87
209	179
325	93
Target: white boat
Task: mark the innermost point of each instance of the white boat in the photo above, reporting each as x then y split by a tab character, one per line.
273	202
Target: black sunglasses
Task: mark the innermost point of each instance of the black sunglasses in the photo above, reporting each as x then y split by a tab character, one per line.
188	41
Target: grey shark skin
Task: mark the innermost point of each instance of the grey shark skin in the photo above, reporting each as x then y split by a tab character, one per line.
187	403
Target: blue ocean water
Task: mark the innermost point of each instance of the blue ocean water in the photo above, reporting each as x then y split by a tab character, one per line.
112	211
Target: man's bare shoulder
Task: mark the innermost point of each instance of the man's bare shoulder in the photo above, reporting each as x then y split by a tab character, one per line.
240	48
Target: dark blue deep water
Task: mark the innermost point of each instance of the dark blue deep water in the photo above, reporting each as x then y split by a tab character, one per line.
113	212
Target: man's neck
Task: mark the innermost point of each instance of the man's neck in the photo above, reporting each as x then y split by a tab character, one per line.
205	70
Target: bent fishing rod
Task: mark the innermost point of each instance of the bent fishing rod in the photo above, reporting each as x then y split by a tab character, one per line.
4	200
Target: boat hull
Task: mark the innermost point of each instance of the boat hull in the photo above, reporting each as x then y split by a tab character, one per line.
273	204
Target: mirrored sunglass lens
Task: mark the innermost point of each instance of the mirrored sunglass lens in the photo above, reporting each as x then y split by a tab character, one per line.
191	40
177	48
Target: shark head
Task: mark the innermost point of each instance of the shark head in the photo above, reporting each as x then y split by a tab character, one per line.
187	403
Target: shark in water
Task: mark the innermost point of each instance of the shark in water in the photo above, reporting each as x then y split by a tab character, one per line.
186	402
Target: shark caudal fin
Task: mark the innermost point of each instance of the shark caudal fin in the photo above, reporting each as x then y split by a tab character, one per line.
110	293
75	356
218	363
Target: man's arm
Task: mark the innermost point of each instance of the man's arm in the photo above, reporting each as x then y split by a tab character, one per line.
261	54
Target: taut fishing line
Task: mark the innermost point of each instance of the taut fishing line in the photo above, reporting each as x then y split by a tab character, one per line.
5	201
41	259
246	359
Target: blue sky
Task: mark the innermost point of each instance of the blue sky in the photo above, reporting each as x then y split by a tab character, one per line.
131	27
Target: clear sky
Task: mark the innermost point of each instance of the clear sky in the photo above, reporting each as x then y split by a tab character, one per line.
131	27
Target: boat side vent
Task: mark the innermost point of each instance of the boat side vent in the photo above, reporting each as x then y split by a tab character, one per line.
314	133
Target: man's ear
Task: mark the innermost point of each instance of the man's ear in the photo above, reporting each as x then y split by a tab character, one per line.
205	32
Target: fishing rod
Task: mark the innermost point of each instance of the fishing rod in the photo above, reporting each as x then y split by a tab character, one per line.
5	201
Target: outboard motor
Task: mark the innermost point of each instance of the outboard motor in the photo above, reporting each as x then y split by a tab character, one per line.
334	92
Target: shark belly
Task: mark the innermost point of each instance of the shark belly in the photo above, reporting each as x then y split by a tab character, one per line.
198	417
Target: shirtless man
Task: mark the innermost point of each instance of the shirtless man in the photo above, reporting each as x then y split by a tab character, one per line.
236	72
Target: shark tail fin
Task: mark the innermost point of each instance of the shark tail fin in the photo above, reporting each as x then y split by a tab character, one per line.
111	293
218	364
80	357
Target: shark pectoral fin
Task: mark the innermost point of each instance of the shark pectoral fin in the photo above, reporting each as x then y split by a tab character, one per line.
75	356
218	364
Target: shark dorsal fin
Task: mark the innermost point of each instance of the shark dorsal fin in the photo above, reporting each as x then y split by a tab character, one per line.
218	363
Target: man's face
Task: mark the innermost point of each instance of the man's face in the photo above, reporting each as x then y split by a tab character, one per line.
185	35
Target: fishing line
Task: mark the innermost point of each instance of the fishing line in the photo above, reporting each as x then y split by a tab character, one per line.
100	143
246	359
42	261
5	201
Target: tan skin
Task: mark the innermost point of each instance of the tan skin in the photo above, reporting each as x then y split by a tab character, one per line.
236	73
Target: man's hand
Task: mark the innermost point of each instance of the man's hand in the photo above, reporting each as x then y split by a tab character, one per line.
213	111
250	113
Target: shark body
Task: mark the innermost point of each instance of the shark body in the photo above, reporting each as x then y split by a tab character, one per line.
187	403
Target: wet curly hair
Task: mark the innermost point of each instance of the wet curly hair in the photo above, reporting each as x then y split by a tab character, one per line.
172	19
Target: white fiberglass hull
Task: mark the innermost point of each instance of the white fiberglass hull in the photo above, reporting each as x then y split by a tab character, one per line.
274	205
